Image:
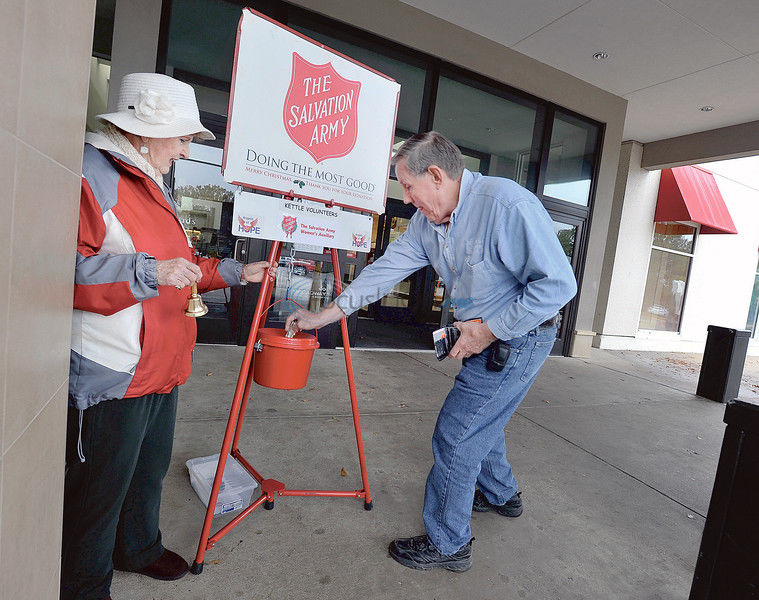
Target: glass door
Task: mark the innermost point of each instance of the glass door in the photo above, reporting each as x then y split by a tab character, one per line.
569	231
402	304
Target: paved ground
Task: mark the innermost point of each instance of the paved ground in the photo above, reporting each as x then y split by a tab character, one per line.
615	455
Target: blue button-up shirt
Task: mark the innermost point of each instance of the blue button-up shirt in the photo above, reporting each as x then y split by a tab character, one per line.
499	257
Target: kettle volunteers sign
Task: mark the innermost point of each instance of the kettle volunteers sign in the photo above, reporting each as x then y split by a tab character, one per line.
307	121
299	221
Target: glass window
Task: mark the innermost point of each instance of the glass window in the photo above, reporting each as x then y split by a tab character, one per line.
205	210
205	201
399	295
97	97
202	36
674	236
667	277
753	309
301	282
410	77
102	37
494	134
570	160
567	235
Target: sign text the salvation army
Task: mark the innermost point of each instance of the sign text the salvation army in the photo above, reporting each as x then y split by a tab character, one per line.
321	109
318	108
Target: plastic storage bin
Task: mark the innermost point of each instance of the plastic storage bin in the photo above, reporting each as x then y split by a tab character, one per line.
237	484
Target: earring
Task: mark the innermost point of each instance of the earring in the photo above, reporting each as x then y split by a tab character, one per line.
144	149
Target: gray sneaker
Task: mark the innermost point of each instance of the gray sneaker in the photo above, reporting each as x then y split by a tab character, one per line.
420	553
512	507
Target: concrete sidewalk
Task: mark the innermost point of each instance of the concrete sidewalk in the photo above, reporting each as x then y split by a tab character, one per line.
614	454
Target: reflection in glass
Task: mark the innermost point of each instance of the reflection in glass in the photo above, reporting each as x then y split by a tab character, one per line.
566	234
570	159
97	98
205	205
202	36
399	296
307	282
410	77
438	294
753	309
665	291
494	134
674	236
205	202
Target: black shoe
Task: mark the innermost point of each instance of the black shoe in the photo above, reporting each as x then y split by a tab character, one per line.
419	553
512	508
169	567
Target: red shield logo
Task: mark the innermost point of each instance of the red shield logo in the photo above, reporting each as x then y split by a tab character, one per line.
289	225
321	110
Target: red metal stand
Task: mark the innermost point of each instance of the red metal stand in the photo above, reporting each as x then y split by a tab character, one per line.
271	487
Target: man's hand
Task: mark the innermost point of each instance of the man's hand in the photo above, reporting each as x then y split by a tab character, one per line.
254	272
178	272
304	319
475	337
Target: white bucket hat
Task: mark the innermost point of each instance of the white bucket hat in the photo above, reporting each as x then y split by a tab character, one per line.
157	106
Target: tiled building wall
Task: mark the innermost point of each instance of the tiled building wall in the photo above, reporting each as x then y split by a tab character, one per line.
46	46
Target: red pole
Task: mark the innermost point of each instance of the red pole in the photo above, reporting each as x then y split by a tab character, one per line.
352	385
234	412
244	404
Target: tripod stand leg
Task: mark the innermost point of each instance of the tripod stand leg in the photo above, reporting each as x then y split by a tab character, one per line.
235	413
368	504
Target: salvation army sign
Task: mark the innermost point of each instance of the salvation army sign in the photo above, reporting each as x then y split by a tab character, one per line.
299	221
321	113
307	121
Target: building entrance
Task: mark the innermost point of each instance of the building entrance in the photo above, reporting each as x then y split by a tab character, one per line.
406	317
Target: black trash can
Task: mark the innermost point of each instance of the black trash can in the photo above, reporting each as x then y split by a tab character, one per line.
727	566
722	366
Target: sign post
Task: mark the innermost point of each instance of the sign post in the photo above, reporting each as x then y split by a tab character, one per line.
316	127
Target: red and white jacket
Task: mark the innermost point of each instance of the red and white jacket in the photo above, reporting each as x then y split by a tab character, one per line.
130	337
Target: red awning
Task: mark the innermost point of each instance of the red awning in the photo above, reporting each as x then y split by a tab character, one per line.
691	194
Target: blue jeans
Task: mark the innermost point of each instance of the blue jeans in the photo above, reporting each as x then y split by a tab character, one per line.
468	444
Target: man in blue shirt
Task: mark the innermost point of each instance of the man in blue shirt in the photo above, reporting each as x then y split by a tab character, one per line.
494	245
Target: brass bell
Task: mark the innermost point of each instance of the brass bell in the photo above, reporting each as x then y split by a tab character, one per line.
196	307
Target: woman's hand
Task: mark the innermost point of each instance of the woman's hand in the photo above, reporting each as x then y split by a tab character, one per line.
254	272
178	272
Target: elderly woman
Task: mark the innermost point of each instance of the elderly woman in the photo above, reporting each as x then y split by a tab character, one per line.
131	341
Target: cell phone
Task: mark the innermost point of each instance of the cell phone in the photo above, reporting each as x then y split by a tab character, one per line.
444	339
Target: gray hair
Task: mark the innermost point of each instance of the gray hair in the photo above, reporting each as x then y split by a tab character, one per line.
426	149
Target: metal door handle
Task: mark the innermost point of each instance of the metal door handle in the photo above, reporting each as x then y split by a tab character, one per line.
241	255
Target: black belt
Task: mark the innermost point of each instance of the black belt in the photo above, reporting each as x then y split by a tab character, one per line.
552	322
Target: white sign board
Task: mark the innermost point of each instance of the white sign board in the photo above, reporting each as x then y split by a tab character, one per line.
306	120
299	221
